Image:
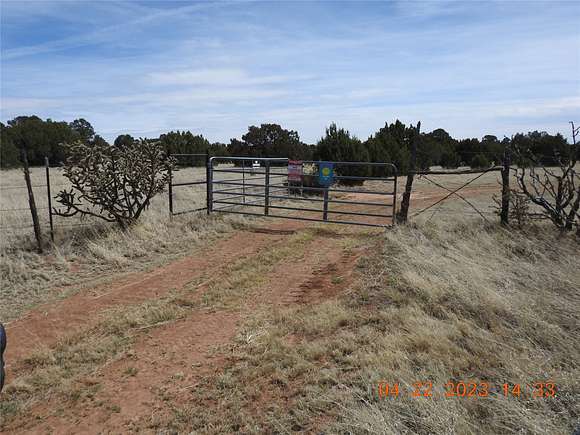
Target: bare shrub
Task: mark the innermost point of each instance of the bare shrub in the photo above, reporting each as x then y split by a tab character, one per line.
556	190
111	183
519	208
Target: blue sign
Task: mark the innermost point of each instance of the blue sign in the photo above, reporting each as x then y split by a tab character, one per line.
325	173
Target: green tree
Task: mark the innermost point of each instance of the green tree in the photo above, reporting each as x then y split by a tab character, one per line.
493	148
123	141
547	149
9	157
40	139
84	130
391	144
438	148
30	133
339	146
185	142
271	140
479	161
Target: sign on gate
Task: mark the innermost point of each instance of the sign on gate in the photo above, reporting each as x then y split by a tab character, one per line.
295	170
325	173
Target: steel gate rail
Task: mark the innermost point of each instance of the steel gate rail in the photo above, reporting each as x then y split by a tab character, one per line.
262	187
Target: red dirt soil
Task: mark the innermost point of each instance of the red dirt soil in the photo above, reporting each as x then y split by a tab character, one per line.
173	358
45	324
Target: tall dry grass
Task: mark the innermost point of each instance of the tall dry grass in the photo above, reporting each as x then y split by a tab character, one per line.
88	249
469	302
436	302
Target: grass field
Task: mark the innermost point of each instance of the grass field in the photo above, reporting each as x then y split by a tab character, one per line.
217	325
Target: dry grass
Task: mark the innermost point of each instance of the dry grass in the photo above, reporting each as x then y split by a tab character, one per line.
441	302
86	250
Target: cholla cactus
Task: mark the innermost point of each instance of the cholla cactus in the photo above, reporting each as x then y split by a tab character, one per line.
111	183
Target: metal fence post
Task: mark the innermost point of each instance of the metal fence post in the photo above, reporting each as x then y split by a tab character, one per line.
325	205
244	181
394	218
170	192
47	166
267	189
207	184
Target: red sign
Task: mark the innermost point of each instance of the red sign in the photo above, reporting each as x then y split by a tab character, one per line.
295	170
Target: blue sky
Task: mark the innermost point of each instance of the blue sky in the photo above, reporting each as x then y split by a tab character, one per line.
144	68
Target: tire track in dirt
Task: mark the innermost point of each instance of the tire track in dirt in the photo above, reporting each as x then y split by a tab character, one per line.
168	362
43	326
172	359
325	279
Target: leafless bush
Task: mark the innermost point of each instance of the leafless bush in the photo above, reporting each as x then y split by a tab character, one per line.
519	208
113	184
556	190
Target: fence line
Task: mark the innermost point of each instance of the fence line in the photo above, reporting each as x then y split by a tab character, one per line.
454	192
21	208
428	175
35	185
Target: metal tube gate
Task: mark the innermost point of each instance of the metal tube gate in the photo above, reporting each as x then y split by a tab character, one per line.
347	194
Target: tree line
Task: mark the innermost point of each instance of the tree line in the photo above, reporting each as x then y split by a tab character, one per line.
391	143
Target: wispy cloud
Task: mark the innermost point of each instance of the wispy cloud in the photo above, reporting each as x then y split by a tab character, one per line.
215	68
218	77
103	34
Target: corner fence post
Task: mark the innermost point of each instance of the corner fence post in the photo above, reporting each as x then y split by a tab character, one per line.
505	187
49	198
267	190
404	212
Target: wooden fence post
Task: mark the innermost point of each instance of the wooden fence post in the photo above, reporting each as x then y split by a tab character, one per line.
404	211
31	202
505	186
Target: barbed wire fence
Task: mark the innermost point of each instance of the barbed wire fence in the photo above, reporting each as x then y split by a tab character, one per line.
15	219
18	217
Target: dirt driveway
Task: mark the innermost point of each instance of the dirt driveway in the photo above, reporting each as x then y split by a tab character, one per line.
280	263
